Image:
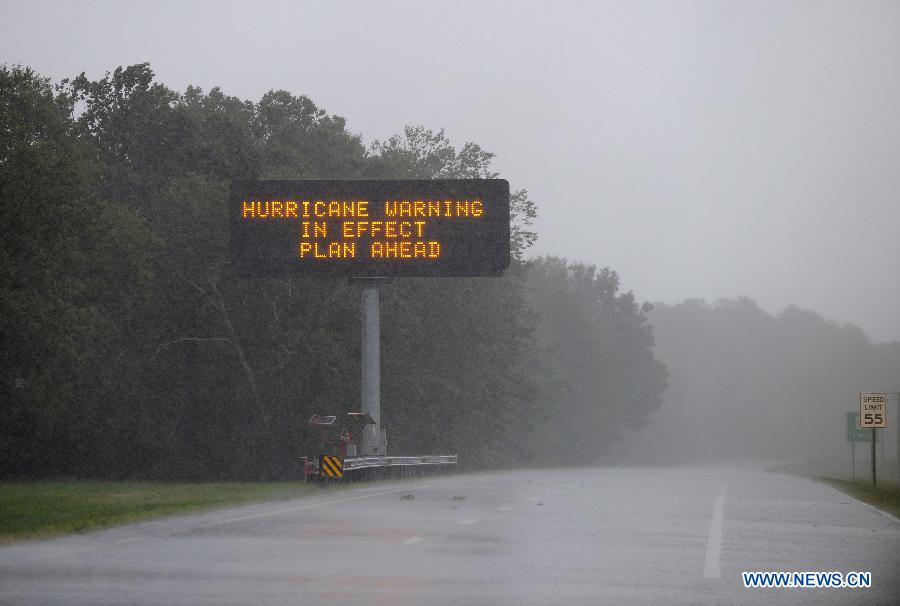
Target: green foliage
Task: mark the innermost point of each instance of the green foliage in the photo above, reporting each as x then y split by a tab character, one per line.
70	264
596	346
885	497
41	509
132	351
452	381
424	154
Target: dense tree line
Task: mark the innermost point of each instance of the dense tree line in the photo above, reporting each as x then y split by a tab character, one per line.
747	383
130	349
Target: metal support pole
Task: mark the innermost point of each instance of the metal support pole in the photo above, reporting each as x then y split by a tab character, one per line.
874	482
852	461
371	365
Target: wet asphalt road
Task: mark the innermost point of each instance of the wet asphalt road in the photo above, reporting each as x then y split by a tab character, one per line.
588	536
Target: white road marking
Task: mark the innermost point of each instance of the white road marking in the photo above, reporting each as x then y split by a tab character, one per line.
413	540
467	522
507	508
711	566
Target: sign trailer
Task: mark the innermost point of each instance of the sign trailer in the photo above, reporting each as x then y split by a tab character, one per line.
371	231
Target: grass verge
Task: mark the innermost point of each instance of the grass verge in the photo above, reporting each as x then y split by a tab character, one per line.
884	496
42	509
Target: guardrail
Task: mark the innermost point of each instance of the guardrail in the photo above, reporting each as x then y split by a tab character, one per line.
352	463
357	469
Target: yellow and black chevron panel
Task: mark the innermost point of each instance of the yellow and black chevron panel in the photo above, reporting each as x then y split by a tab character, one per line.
331	466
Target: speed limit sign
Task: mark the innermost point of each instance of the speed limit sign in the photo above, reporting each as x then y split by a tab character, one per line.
872	410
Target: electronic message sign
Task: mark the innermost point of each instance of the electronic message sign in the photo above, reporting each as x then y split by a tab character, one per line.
367	228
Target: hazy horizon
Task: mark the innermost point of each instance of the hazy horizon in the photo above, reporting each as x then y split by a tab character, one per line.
702	150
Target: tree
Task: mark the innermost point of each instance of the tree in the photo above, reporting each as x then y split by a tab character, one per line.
775	386
135	351
62	245
596	345
454	348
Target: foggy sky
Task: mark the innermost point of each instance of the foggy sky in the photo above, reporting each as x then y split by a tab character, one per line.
701	149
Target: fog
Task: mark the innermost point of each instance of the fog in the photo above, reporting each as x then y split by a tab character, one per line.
701	149
744	384
473	302
705	151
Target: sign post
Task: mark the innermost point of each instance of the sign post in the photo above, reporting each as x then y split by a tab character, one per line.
874	475
854	435
371	231
873	415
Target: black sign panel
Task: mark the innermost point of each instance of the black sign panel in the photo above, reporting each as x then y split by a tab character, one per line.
441	227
